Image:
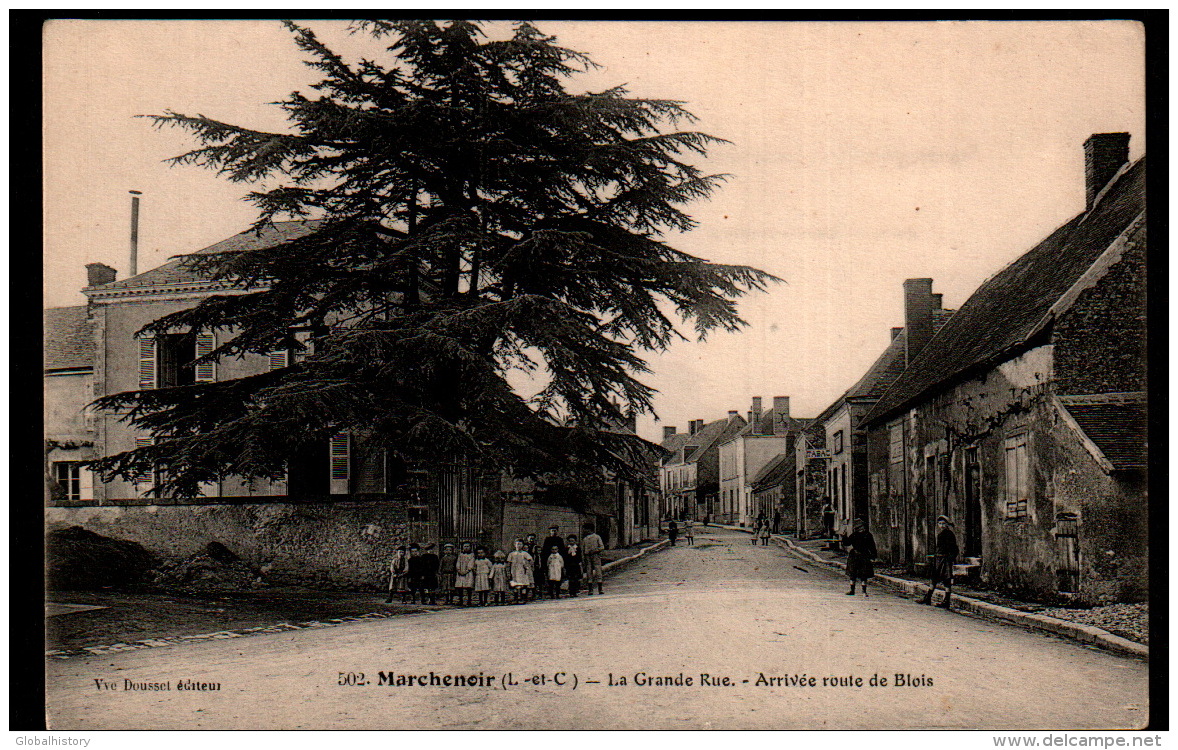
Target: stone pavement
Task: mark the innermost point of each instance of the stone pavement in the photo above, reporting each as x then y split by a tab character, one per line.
723	635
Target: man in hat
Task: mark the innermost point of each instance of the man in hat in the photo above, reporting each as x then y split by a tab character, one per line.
592	545
943	561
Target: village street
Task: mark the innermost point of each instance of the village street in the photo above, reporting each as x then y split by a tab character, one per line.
722	610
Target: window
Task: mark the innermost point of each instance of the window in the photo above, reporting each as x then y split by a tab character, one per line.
838	442
68	476
174	353
896	443
1018	484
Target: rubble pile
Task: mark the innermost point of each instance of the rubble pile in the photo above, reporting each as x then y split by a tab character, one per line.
1126	620
215	568
80	560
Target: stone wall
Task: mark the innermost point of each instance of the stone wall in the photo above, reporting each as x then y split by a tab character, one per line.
344	544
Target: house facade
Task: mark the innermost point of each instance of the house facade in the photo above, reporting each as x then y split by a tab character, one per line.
766	435
689	477
1023	419
341	509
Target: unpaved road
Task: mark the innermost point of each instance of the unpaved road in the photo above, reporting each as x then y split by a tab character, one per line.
725	609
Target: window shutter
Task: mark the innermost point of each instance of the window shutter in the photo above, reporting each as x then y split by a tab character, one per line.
85	485
147	476
147	356
304	338
206	342
279	359
339	460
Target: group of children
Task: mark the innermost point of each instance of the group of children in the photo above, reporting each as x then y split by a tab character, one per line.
527	572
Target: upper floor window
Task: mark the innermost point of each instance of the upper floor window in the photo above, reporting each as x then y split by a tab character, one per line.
837	442
896	443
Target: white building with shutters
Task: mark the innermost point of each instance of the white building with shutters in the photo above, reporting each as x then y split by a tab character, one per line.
123	360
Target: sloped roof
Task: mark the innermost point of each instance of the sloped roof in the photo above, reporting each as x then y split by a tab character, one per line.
777	471
1115	423
764	425
1012	306
883	372
177	270
673	443
69	338
712	433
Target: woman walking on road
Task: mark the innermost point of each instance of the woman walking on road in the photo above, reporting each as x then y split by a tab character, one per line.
861	553
763	534
672	532
689	532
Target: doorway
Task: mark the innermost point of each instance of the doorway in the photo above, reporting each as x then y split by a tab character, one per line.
973	503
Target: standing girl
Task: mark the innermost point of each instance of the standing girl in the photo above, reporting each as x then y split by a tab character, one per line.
464	574
519	567
861	552
572	565
499	578
482	575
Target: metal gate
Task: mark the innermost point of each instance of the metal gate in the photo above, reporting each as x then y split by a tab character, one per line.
460	502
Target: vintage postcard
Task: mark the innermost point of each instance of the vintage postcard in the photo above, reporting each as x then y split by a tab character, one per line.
425	375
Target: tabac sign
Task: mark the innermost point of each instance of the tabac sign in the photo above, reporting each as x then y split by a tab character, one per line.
815	454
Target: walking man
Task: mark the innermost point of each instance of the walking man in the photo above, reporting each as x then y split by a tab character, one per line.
591	547
943	561
828	517
672	532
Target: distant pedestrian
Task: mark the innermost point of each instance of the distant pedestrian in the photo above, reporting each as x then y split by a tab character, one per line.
482	575
776	522
943	561
464	575
763	535
828	518
861	553
592	546
672	532
756	531
446	572
572	564
398	566
554	542
689	532
519	570
499	577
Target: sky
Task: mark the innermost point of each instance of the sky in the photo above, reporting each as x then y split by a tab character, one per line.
861	154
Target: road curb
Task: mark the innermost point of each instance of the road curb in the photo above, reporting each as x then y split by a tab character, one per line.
1088	634
611	566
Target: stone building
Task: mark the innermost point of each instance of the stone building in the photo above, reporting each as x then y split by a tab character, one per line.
1023	419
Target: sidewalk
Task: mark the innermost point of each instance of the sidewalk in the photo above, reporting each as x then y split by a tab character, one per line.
977	602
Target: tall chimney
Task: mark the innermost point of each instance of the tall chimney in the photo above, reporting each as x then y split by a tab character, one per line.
897	331
98	274
1104	155
696	424
938	302
755	418
918	316
134	232
668	431
780	413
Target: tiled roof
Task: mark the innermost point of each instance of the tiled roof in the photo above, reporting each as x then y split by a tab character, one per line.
712	433
177	270
673	443
777	471
882	373
1011	307
69	338
1115	423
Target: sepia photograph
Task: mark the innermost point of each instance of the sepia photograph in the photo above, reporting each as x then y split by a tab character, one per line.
407	374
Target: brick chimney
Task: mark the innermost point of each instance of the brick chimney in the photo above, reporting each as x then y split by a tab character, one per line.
1104	155
897	331
918	316
98	274
780	413
694	426
668	431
